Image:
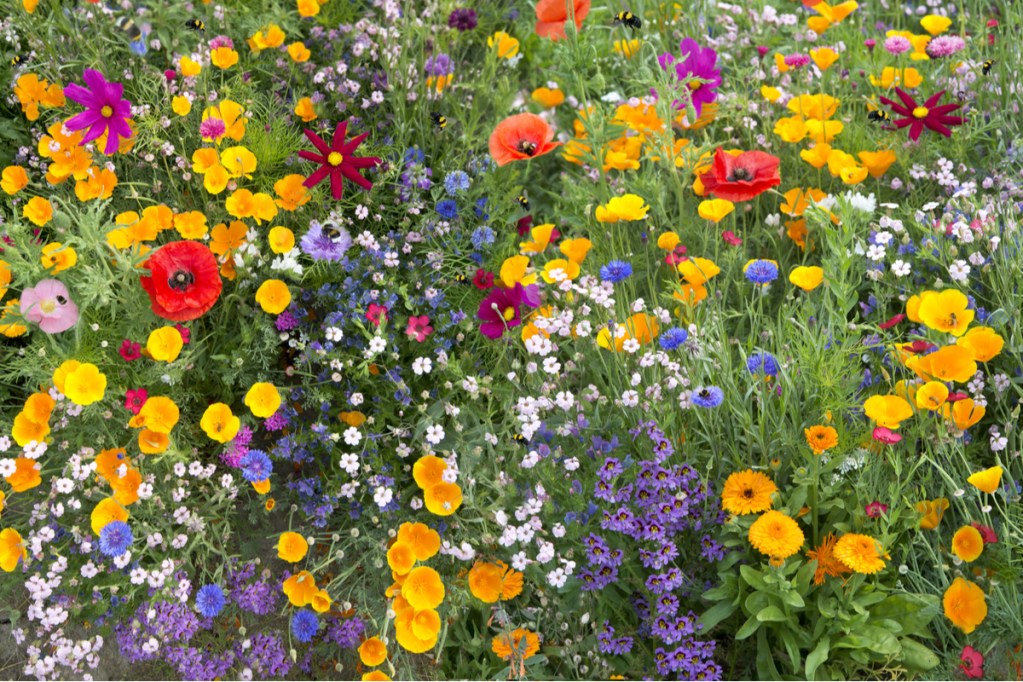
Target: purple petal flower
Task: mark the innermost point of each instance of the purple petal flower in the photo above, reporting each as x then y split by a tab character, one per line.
698	63
105	111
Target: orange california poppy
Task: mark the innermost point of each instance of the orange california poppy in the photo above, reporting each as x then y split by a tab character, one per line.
551	17
521	136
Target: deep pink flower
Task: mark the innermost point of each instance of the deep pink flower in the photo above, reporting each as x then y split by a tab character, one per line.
376	314
918	346
186	333
419	328
676	256
892	321
135	398
501	311
986	532
49	305
105	111
886	436
955	396
927	115
876	509
130	350
524	225
337	160
972	663
730	238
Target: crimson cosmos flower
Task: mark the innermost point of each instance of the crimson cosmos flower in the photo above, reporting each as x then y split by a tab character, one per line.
337	160
929	114
742	177
184	280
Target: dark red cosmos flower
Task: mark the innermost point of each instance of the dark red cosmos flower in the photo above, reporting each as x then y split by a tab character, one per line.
184	280
337	160
987	533
918	346
742	177
524	225
918	116
972	663
483	280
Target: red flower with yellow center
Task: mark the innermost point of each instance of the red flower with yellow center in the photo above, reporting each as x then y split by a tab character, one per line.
917	116
337	160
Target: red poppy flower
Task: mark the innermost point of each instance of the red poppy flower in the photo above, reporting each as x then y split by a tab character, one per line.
551	17
184	280
742	177
521	136
918	116
337	160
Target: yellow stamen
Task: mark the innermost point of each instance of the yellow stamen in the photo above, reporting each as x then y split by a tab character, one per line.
335	159
47	306
509	314
921	112
106	112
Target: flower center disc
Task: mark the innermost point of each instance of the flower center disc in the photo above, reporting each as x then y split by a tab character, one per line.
48	306
695	85
106	111
739	174
335	159
180	280
921	112
509	314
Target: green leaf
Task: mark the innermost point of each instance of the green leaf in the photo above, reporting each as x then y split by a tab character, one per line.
873	638
716	614
748	628
793	598
792	649
817	657
771	614
766	669
914	612
917	657
753	577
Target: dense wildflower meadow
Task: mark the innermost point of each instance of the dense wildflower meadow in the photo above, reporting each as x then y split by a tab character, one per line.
434	339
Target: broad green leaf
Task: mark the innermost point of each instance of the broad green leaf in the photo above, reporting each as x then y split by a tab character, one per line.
817	657
748	628
771	614
753	577
916	656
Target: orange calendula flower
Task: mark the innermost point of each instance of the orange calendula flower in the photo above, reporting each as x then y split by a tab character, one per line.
518	645
827	563
861	553
821	438
747	492
776	534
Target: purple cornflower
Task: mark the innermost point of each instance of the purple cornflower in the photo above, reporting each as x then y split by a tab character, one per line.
325	242
708	396
105	111
209	600
897	45
115	538
698	63
439	65
463	19
761	271
762	363
945	46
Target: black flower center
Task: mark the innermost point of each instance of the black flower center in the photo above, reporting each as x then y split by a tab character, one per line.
180	280
739	174
748	493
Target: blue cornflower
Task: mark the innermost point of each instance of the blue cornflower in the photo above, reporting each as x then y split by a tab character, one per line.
761	271
304	625
673	338
481	208
616	271
413	156
762	363
115	538
481	237
256	466
447	208
455	182
708	396
209	600
327	242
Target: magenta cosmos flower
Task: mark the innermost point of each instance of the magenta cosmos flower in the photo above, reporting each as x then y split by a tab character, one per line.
918	116
699	63
105	111
337	160
501	310
49	305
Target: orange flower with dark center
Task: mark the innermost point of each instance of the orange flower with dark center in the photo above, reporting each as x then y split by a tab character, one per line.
827	564
552	15
521	136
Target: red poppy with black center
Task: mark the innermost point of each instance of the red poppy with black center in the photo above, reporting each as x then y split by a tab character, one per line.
337	160
184	280
742	177
927	115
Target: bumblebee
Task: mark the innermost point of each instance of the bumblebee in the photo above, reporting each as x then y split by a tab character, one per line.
628	19
461	278
19	59
331	232
520	439
128	27
523	201
439	120
985	68
879	116
196	25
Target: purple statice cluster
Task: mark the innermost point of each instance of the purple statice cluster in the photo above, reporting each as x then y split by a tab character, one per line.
153	626
258	596
346	633
238	447
654	516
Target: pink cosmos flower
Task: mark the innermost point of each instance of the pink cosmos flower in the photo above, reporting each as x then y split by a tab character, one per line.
134	399
105	111
49	305
376	314
419	328
130	350
730	238
886	436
